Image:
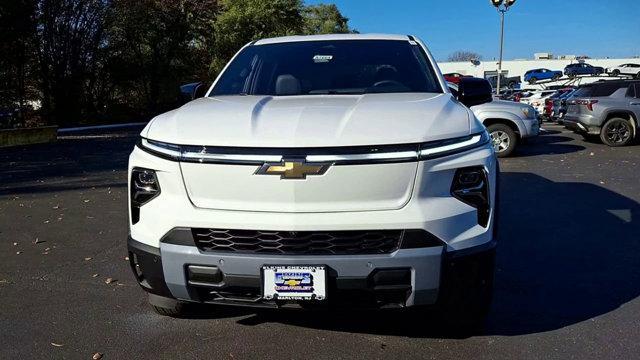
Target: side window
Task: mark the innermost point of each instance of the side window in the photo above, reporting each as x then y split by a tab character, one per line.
637	87
606	89
631	92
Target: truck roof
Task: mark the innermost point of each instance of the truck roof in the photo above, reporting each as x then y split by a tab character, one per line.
284	39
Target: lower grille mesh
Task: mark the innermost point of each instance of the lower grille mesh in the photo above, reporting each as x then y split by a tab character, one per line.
298	242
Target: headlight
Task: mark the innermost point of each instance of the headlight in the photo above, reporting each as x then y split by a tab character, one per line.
471	186
528	112
144	187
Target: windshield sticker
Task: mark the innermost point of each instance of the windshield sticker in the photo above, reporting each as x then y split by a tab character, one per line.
322	58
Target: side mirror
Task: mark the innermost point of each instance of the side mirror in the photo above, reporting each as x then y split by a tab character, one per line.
192	91
474	91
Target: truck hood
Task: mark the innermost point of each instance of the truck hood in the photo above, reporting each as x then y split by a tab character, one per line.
312	120
500	105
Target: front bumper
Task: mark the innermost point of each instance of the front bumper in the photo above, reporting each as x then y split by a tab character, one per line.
404	278
531	127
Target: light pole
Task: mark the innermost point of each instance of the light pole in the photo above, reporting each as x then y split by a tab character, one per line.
502	6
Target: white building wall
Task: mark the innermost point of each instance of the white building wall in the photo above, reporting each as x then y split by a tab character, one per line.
519	67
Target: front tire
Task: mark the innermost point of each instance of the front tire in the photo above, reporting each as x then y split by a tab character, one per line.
467	292
615	73
617	132
533	80
167	306
503	138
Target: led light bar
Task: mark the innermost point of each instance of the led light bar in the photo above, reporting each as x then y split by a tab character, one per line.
162	148
204	156
455	145
226	155
397	155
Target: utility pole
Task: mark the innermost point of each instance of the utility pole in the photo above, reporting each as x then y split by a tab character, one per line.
502	6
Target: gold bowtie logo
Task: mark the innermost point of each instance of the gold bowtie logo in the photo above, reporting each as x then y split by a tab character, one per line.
292	169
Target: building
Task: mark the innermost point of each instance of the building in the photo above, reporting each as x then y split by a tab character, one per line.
484	69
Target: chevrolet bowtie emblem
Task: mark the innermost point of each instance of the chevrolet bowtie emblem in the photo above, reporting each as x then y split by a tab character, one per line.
293	169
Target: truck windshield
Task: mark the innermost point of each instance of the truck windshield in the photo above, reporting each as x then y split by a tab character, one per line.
328	67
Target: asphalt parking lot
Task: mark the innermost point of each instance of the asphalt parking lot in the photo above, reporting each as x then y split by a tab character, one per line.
567	284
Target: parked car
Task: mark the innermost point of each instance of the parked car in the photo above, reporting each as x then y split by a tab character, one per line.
537	99
505	82
559	108
532	76
608	109
508	122
299	186
573	70
625	69
454	77
548	102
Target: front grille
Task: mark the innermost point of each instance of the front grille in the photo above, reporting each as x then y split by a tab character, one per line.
298	242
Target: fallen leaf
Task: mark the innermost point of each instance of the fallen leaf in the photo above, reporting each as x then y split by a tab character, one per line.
47	249
97	356
56	207
87	259
94	275
37	241
109	281
126	258
15	244
86	200
18	252
57	345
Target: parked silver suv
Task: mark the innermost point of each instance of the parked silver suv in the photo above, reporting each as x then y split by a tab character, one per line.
608	109
507	122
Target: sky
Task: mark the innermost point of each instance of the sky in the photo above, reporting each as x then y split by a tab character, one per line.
597	28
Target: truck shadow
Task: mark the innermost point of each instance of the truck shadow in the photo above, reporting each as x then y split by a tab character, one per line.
568	252
547	144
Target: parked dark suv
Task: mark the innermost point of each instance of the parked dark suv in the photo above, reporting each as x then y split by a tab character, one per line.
572	70
608	109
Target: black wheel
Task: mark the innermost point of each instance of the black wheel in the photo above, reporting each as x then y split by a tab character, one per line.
466	292
503	138
617	132
615	72
512	85
166	306
533	80
638	75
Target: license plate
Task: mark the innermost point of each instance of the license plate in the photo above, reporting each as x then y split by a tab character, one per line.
289	282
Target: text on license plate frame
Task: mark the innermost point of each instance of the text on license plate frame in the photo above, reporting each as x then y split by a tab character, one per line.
294	282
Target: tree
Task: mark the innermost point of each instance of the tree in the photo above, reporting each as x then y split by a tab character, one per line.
71	34
242	21
324	19
463	55
17	56
153	46
118	60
